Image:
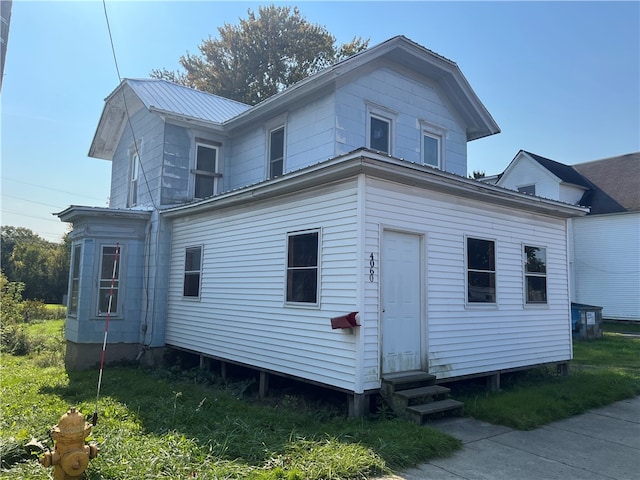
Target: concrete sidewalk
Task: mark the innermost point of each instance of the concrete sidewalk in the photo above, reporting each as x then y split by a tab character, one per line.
600	444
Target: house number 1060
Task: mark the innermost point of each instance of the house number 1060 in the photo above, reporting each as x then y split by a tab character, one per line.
372	263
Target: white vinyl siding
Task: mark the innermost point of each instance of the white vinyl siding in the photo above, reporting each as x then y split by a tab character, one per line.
606	263
464	341
242	314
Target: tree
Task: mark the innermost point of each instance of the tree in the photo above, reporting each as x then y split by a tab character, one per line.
42	266
477	174
261	56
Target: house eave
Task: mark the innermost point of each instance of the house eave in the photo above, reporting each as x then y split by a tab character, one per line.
363	161
74	212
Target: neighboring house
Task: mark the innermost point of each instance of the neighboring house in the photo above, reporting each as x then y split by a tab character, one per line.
244	233
605	244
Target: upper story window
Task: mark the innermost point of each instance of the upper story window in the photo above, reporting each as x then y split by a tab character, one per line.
276	152
302	267
74	281
192	271
380	134
529	189
133	183
431	150
206	172
109	281
380	128
535	274
481	271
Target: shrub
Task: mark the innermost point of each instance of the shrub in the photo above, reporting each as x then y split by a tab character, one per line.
10	301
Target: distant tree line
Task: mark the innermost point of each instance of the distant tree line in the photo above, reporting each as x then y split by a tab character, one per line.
42	266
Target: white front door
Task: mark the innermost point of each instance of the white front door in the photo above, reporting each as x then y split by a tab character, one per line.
401	302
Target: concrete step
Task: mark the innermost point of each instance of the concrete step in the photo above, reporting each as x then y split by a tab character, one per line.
413	395
420	412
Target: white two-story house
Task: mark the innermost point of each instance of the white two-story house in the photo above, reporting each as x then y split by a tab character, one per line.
249	234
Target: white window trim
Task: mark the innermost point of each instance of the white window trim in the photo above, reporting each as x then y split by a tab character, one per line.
385	114
199	142
525	295
134	175
304	305
74	247
480	305
120	289
191	298
271	126
440	134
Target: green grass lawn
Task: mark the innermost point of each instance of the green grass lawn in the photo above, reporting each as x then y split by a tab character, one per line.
603	371
170	423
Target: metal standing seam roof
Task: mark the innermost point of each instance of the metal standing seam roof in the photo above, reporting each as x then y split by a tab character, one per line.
170	97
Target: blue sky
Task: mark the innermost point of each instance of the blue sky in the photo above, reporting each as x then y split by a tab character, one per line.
560	79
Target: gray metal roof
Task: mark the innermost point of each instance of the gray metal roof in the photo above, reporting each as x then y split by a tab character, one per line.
172	98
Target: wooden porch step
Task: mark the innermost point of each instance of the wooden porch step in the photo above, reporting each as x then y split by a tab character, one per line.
422	392
421	412
408	381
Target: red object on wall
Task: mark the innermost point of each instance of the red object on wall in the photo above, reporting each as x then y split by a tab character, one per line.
345	321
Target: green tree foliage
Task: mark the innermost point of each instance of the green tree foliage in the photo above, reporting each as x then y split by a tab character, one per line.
261	56
10	301
42	266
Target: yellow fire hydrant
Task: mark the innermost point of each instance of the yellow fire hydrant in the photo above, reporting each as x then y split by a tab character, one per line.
70	454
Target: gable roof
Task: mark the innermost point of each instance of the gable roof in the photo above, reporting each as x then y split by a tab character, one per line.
194	106
612	184
616	181
166	97
564	172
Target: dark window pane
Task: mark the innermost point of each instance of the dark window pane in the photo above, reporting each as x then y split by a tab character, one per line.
204	186
108	259
536	290
536	259
482	287
379	135
480	254
276	168
206	159
192	259
103	302
302	285
277	144
303	250
191	284
431	151
529	189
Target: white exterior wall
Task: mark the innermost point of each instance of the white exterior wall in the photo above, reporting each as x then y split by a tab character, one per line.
527	172
413	102
607	263
241	315
464	340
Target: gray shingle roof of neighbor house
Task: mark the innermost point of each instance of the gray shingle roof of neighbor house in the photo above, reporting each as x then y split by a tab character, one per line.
613	184
617	182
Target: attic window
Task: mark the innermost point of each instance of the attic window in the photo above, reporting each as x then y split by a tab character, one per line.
379	134
431	150
276	152
528	189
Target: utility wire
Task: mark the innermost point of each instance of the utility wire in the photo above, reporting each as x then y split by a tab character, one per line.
49	188
126	107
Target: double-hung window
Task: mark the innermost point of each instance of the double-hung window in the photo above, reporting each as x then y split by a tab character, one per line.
481	271
276	152
192	271
206	170
535	274
431	146
302	267
74	290
109	282
133	184
379	133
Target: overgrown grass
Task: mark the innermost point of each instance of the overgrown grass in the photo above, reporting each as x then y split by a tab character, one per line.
603	371
171	423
